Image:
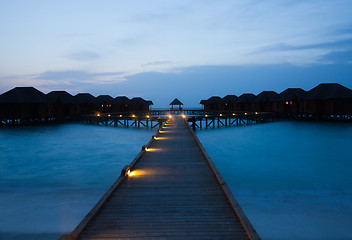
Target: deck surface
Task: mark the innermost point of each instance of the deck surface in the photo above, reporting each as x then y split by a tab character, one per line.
172	193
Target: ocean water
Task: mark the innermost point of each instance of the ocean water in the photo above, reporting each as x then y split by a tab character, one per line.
51	176
292	179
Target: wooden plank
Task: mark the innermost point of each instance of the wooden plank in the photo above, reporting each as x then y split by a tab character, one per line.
252	234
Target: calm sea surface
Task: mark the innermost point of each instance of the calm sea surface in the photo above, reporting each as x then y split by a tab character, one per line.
51	176
292	179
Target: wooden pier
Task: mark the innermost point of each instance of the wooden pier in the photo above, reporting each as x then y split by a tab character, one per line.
197	119
171	190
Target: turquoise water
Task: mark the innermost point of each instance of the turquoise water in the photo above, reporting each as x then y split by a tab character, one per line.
51	176
292	179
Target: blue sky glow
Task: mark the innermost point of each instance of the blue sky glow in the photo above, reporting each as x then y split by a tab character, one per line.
139	48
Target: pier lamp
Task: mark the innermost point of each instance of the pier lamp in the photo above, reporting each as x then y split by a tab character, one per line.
126	171
169	116
183	116
245	113
220	115
148	116
98	114
234	114
109	115
120	115
206	115
133	115
144	148
256	112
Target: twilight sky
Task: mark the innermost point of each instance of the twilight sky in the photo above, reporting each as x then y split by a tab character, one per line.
160	49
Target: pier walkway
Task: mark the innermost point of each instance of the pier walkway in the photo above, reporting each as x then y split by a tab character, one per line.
172	192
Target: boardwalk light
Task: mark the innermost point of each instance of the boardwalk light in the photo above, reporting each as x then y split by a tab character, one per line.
245	113
169	116
206	115
183	116
126	170
133	115
109	115
102	105
148	116
98	115
220	115
234	114
144	148
120	115
256	112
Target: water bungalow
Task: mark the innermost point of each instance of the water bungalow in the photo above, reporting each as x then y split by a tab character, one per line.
61	104
23	105
122	104
212	104
328	99
85	103
105	103
290	100
139	104
245	102
265	102
229	103
325	101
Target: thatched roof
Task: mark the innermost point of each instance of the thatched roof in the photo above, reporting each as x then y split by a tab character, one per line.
229	99
176	102
85	98
326	91
140	101
122	100
214	100
105	99
64	96
291	94
246	97
23	95
267	96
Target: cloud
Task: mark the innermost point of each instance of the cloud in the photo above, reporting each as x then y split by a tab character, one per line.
84	56
338	57
156	63
76	76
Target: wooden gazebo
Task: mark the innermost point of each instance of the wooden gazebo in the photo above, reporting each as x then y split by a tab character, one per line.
176	102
